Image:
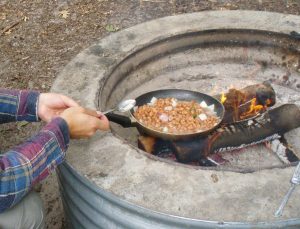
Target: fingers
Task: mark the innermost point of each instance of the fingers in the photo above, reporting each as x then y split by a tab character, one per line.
105	123
102	117
102	123
68	101
83	123
92	112
99	114
101	120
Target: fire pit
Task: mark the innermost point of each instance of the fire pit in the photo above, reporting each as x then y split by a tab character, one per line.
247	121
108	182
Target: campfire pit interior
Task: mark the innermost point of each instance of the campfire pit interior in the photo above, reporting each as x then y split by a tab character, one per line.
246	122
213	62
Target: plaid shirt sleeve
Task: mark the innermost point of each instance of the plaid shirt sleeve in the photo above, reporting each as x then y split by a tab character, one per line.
32	161
18	105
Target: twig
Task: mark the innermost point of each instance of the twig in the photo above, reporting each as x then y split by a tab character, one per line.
7	28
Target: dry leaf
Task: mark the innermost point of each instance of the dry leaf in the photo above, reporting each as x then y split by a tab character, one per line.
111	28
2	16
214	178
64	13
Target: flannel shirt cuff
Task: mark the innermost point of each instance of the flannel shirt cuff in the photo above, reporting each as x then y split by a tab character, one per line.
28	105
59	127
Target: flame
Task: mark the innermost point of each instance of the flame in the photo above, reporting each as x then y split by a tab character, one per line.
268	102
223	98
254	108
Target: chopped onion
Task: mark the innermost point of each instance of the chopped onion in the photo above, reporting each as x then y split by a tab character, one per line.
202	117
164	118
135	108
165	129
174	102
168	108
211	110
203	104
211	107
152	101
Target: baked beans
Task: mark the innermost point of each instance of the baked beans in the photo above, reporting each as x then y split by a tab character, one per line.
170	115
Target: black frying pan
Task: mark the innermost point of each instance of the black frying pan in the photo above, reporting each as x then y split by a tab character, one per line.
183	95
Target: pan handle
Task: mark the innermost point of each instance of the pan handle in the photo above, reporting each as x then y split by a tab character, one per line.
121	120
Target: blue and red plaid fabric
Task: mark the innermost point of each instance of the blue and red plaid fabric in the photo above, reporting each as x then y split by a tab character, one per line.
26	164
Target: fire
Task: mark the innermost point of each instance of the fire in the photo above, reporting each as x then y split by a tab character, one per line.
223	98
254	108
268	102
241	105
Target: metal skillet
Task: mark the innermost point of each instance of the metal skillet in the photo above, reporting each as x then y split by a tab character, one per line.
179	94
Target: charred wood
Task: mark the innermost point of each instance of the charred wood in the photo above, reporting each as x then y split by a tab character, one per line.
238	102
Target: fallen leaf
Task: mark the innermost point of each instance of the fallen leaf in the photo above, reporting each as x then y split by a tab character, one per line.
214	178
111	28
2	16
64	13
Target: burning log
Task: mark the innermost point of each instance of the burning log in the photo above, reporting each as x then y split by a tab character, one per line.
247	102
266	127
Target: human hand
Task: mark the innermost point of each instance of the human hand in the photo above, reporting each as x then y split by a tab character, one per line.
51	105
83	123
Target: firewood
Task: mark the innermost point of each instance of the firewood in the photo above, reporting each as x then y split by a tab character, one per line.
238	102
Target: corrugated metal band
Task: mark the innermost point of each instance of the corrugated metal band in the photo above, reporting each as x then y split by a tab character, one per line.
88	206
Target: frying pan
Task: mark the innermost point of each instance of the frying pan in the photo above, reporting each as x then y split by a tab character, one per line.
179	94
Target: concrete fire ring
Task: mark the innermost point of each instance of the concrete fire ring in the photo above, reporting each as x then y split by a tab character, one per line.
118	168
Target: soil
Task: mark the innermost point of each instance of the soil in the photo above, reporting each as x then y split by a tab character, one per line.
38	38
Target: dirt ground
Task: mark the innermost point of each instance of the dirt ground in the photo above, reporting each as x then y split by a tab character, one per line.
38	38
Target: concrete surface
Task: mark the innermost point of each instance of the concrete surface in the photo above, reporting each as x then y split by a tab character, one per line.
122	169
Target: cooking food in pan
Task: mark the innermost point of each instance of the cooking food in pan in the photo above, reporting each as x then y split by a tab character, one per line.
211	109
174	116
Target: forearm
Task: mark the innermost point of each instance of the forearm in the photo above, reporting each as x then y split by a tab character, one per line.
31	162
18	105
